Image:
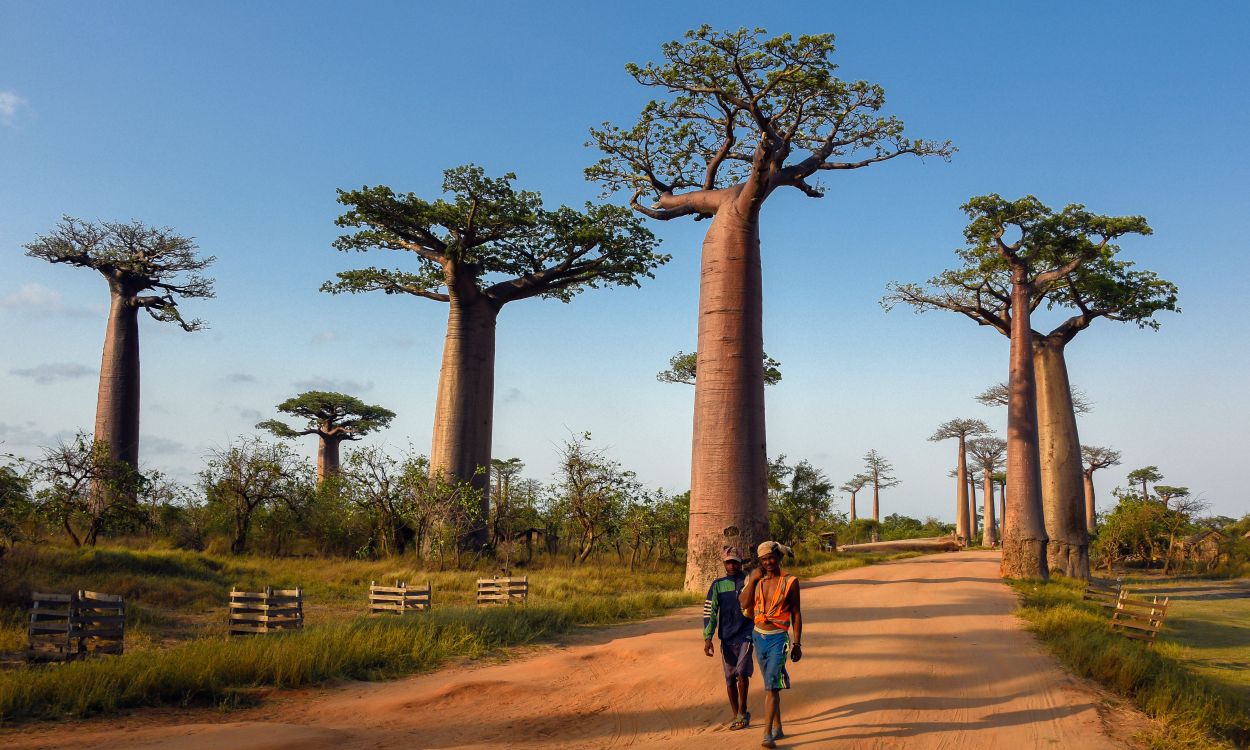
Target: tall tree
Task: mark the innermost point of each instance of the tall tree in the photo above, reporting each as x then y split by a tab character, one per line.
682	366
852	486
741	116
486	244
989	452
961	430
1144	475
147	268
1167	493
1059	258
878	470
333	418
1093	458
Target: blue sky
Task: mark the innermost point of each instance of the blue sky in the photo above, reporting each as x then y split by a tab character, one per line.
235	123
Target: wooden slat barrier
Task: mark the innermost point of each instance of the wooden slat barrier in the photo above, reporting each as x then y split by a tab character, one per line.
398	599
267	611
503	590
1102	593
70	626
1139	619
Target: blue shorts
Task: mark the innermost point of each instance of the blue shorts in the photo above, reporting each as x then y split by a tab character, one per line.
771	650
736	658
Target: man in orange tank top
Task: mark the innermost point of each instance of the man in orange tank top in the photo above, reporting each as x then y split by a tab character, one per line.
771	599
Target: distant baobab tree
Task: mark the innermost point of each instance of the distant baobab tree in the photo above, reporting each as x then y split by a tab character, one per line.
1144	475
682	366
990	453
1168	493
741	116
1059	258
333	418
482	246
996	395
962	429
1093	458
147	268
853	486
877	469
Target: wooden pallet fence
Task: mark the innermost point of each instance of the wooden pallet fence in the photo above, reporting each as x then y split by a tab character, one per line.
399	599
70	626
268	611
1104	593
1139	619
503	590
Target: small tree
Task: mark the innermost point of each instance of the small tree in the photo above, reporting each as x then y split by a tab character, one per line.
799	501
596	490
1142	476
487	244
852	487
85	491
682	367
1093	458
248	475
878	469
333	418
382	485
15	505
147	268
962	429
990	453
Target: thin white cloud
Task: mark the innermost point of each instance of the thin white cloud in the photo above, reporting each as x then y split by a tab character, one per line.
159	446
325	337
51	372
333	384
240	377
46	301
10	105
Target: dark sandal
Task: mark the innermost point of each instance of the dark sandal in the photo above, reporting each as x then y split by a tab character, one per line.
740	722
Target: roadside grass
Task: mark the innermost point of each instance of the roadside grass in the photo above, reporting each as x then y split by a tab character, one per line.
1192	711
177	653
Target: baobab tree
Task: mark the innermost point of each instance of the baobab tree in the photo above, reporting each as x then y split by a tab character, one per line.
878	471
333	418
852	486
989	452
147	268
741	116
962	429
1142	476
997	395
1063	259
1167	493
485	245
682	367
1093	458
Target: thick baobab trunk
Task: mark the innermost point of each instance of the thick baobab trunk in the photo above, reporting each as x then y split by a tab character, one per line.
1024	539
117	405
327	457
1002	510
729	464
464	412
1063	494
1091	516
990	537
962	531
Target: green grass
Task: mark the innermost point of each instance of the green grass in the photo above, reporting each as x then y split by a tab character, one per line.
1192	710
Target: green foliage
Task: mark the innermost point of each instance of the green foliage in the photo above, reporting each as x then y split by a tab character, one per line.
682	367
331	415
1194	712
493	237
81	490
134	259
15	506
251	478
800	500
738	105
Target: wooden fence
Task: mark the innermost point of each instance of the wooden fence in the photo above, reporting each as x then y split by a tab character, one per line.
1139	619
398	599
267	611
503	590
1104	593
70	626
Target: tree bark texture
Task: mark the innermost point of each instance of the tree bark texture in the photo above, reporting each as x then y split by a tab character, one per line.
327	456
962	532
729	464
463	414
1091	517
1024	539
1059	446
990	537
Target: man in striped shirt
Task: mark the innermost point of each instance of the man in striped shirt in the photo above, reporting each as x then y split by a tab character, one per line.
723	616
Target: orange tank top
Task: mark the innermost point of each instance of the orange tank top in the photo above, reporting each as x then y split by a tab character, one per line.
776	611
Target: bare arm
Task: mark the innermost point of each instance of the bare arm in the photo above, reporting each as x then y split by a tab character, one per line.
746	599
796	623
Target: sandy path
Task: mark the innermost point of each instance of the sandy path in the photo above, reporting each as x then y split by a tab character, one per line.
921	653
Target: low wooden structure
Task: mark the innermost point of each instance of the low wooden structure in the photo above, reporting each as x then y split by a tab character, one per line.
1139	618
399	599
1102	592
926	544
268	611
1204	550
503	590
64	627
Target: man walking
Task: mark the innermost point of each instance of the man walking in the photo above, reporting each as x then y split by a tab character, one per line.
722	614
771	599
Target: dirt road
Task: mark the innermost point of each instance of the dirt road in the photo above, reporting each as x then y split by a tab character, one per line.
921	653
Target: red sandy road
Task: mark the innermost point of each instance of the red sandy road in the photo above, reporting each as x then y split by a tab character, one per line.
921	653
